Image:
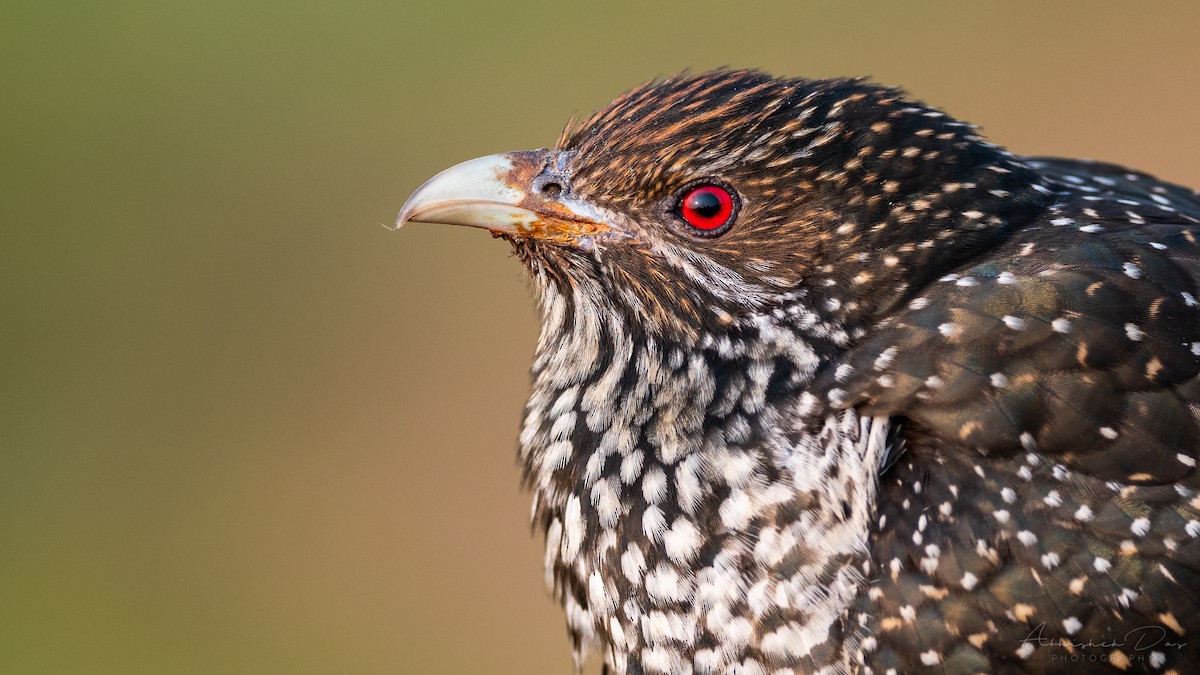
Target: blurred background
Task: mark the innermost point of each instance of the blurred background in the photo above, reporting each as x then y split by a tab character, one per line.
245	428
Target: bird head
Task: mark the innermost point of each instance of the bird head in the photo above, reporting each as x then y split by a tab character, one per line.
699	204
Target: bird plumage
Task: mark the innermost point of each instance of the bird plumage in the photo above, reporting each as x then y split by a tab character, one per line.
925	403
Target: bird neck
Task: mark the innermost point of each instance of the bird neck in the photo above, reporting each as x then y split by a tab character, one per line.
687	523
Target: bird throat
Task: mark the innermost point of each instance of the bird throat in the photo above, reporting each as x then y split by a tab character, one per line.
690	525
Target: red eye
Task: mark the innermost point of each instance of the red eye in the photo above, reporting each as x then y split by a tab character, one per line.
707	208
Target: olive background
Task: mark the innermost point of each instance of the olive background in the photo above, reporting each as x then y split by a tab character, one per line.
247	428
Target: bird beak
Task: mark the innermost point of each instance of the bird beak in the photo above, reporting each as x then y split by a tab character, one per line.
500	193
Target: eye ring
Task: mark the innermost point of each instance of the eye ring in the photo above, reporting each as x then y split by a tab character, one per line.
707	208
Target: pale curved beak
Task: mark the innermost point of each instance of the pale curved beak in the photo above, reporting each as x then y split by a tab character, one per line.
523	194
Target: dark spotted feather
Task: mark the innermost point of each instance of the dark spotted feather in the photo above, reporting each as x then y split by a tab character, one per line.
1046	507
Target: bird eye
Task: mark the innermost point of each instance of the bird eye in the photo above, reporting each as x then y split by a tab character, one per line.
707	208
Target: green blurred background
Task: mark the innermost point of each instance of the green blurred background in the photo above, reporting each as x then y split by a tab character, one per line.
244	428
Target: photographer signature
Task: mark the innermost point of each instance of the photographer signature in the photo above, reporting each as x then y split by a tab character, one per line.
1146	637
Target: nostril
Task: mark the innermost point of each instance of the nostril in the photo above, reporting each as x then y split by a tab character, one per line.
551	184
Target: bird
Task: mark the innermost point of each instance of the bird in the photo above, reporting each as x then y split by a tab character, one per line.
828	383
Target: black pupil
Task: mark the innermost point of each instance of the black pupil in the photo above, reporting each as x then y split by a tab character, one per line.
704	203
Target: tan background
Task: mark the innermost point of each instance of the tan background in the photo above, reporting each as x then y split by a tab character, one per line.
244	428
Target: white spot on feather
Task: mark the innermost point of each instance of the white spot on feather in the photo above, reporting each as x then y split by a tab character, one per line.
682	541
1140	527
